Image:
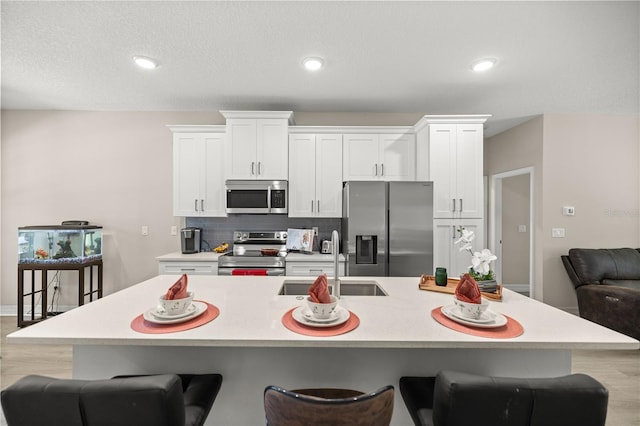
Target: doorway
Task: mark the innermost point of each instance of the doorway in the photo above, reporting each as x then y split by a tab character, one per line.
512	229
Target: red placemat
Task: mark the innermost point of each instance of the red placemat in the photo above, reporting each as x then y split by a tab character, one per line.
141	325
511	329
295	326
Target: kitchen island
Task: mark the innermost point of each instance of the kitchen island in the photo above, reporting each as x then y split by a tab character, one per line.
248	344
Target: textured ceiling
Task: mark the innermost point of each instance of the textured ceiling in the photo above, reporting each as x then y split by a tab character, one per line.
383	57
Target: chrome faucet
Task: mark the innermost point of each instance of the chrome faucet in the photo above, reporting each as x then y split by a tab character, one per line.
335	250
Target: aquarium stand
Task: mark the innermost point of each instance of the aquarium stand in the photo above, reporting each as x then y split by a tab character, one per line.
40	294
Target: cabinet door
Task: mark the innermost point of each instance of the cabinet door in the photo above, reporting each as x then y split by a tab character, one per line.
302	172
361	157
212	183
272	158
446	253
442	166
328	176
187	170
469	169
397	157
241	149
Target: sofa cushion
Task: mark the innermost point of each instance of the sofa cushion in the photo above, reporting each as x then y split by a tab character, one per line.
595	265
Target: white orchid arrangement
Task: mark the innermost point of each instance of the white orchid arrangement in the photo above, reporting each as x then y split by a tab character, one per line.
480	268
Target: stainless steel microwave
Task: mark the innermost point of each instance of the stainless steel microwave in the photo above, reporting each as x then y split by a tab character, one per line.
257	196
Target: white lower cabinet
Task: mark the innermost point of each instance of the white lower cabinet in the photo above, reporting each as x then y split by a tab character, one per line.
446	253
313	269
167	267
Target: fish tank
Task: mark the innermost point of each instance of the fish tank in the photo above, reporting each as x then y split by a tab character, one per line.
59	244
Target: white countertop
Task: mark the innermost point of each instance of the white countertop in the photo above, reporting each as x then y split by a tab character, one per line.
251	312
208	256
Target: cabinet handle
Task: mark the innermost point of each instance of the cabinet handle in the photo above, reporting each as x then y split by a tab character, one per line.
453	232
253	165
381	169
318	202
195	204
454	205
460	205
376	169
311	206
202	205
259	168
187	269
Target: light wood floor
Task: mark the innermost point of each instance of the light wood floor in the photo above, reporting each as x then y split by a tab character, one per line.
618	371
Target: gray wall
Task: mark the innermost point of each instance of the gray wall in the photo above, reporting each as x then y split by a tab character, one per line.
590	162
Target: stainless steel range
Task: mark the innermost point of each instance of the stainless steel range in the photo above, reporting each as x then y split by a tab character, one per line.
255	253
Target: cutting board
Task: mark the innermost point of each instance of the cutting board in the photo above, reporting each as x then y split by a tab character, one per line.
428	283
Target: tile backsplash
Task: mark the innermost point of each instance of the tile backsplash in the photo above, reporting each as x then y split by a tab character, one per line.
216	230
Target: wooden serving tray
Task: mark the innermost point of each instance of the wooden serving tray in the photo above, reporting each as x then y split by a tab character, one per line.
428	282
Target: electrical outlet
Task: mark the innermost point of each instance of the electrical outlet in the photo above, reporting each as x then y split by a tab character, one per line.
557	233
174	230
145	230
315	231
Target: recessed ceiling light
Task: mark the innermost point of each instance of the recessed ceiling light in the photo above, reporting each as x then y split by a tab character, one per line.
145	62
483	64
313	64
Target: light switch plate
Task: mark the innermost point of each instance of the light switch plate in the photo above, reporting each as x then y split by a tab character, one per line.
568	211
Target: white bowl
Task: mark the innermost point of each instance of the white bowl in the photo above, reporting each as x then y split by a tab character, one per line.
176	306
322	310
471	310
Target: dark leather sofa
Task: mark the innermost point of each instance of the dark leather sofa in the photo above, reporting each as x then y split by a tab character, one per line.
607	283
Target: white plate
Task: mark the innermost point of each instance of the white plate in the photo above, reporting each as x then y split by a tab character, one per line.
199	309
303	315
498	321
487	316
160	313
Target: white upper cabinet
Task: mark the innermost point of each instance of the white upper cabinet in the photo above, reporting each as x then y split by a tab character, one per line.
315	175
388	157
198	171
450	153
257	145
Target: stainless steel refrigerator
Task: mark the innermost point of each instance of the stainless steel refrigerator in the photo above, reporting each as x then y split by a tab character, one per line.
387	228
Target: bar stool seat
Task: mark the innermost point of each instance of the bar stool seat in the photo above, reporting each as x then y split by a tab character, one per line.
328	407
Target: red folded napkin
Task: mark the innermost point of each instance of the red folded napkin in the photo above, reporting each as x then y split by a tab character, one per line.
319	290
468	290
178	290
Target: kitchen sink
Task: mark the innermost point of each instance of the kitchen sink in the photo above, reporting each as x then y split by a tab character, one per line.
300	287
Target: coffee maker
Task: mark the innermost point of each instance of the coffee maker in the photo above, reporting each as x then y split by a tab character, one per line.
191	239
